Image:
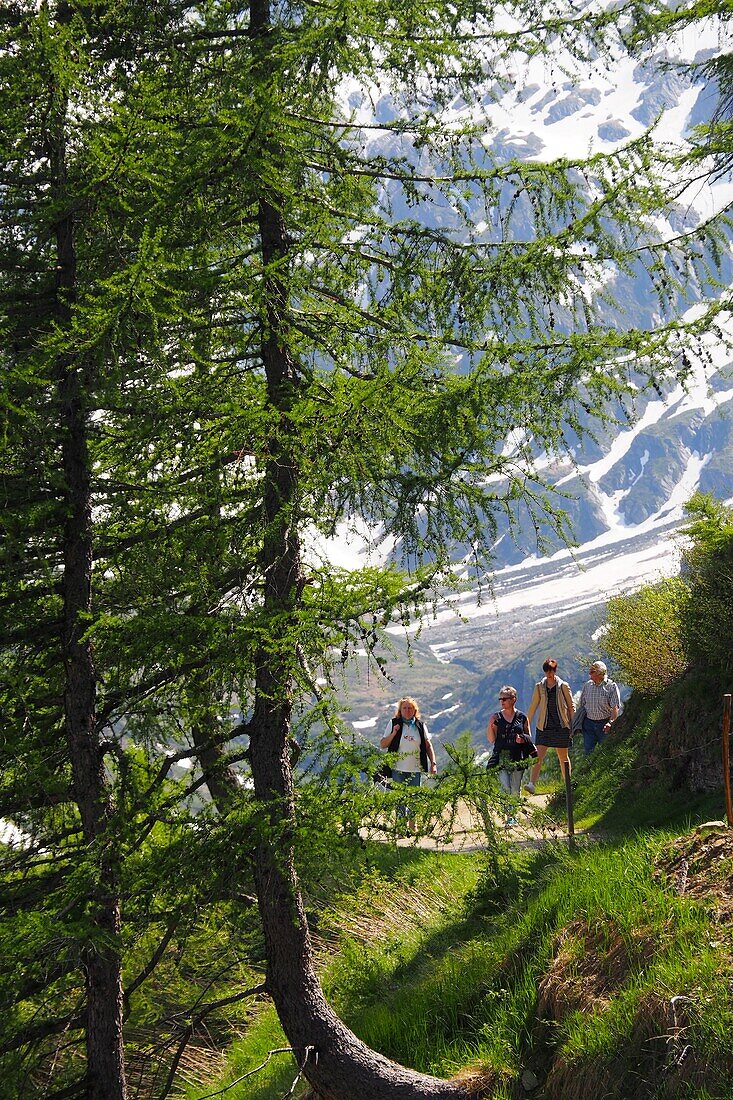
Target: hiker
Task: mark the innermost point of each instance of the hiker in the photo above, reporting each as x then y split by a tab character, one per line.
553	702
602	702
508	731
408	735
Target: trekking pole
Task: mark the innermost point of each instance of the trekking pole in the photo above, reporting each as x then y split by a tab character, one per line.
726	760
569	801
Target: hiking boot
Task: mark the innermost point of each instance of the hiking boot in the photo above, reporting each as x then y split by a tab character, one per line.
529	787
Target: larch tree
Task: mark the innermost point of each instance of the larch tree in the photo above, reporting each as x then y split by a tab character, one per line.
263	275
399	352
106	306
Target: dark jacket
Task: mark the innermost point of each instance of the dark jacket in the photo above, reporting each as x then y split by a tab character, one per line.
506	740
395	742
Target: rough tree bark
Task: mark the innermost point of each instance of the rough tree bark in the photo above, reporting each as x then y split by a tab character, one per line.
336	1063
105	1077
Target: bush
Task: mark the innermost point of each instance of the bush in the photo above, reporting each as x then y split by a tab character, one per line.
645	636
708	572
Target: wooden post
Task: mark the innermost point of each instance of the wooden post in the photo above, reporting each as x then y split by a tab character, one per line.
569	801
726	759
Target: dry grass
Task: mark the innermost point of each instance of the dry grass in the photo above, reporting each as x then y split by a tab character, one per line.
585	972
657	1061
480	1082
148	1062
381	915
700	865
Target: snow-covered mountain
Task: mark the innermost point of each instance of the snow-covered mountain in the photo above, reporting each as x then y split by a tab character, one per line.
625	492
628	509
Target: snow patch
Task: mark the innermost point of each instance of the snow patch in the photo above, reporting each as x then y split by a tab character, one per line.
439	652
365	723
447	710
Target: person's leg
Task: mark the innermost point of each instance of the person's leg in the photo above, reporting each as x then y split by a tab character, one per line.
402	779
516	776
515	781
504	775
564	758
536	768
592	734
407	779
415	781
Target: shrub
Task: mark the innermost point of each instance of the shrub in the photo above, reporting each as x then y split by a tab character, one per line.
645	635
708	572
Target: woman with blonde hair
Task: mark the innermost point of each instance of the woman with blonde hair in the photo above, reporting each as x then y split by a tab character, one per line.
408	735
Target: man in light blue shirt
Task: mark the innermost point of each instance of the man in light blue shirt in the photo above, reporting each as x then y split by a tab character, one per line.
602	702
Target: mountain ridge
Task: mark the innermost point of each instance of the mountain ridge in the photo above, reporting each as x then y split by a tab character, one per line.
623	487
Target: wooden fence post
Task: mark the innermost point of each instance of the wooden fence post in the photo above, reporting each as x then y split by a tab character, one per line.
726	759
569	801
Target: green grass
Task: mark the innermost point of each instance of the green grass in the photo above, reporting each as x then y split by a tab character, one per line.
406	908
585	967
616	790
479	999
573	975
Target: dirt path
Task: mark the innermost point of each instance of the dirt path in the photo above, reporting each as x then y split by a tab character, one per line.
467	833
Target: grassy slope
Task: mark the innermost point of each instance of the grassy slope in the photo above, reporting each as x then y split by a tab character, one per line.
593	974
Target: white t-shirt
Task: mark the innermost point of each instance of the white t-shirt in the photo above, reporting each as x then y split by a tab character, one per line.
409	757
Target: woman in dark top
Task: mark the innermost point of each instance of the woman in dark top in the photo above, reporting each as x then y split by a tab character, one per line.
508	733
553	702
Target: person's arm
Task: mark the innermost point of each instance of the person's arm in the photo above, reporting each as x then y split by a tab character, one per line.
386	741
491	730
612	719
430	751
570	704
527	734
535	702
615	707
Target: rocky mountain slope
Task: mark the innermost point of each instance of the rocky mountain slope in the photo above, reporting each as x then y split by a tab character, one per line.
624	491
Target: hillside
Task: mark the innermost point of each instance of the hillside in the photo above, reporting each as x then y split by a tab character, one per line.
661	763
536	971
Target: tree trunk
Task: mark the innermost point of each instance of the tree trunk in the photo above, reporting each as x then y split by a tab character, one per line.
220	776
102	966
105	1062
336	1063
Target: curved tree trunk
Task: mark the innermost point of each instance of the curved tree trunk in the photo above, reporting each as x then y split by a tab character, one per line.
336	1063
